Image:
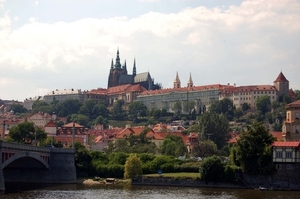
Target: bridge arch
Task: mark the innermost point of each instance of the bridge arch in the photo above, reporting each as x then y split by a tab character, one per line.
25	154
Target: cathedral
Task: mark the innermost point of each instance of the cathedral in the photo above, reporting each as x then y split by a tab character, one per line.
118	75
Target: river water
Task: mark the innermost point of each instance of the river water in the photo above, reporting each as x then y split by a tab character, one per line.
139	192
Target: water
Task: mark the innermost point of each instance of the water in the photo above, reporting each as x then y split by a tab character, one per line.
26	191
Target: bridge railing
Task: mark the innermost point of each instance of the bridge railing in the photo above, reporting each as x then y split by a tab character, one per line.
25	147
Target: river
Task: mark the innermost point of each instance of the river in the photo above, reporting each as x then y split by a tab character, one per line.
140	192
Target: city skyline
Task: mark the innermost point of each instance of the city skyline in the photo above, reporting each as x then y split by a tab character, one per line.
48	45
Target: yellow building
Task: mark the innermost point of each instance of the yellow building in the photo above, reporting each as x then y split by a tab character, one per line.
291	126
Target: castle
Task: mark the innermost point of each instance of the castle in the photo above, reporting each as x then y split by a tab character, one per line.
118	75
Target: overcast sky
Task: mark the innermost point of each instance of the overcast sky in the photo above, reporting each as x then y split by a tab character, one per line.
64	44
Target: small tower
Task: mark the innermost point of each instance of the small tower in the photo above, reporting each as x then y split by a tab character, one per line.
282	85
176	82
125	67
190	82
112	64
134	68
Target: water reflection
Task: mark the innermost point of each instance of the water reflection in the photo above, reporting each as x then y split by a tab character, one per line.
141	192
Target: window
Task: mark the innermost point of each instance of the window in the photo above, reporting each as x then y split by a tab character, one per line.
278	154
289	166
297	116
278	166
288	154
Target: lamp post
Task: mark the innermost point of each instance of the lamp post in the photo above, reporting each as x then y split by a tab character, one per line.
73	136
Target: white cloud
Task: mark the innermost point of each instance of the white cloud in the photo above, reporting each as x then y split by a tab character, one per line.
36	4
246	44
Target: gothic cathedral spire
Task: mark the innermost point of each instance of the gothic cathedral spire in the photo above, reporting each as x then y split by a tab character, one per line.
134	68
118	64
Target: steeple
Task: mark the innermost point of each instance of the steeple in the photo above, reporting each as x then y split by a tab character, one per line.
112	64
118	64
134	69
125	67
190	82
176	81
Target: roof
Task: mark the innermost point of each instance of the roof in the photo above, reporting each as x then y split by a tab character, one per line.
125	79
70	125
293	104
248	88
286	144
184	89
50	124
142	77
281	78
126	88
277	135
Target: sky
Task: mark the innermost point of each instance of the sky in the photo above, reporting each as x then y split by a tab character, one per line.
64	44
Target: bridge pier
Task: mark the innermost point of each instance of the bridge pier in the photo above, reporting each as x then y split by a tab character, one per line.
26	163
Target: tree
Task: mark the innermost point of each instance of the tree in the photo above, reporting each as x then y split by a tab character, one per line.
297	92
224	106
18	108
263	104
214	127
81	119
205	149
117	111
101	120
245	106
173	145
133	166
82	160
136	109
238	112
68	107
177	108
41	106
253	149
25	133
212	169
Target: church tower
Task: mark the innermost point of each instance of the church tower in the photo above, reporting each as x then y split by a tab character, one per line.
176	82
282	85
115	71
190	82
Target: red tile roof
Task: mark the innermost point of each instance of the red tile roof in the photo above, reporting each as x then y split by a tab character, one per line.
286	144
293	104
277	135
195	88
281	78
248	89
50	124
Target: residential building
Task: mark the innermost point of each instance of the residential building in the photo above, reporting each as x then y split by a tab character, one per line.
64	134
62	95
248	94
40	119
286	155
291	125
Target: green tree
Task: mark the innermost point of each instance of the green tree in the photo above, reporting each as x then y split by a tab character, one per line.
238	112
101	120
173	145
297	92
253	149
68	107
25	133
117	111
263	104
205	149
177	108
18	108
133	166
82	160
224	106
245	106
41	106
212	169
80	119
214	127
137	109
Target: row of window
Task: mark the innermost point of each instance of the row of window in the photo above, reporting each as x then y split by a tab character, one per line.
288	154
287	166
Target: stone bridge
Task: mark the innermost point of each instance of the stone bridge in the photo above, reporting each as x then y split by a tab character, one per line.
26	163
